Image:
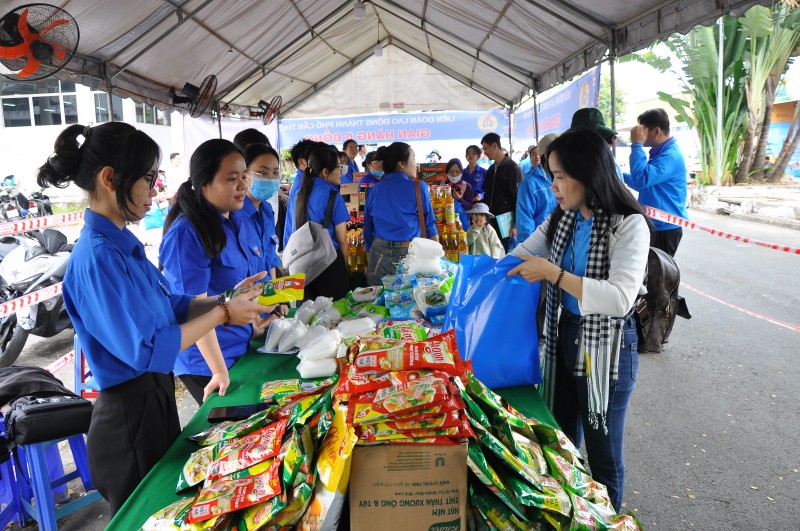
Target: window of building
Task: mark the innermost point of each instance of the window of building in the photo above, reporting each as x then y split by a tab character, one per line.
149	114
45	102
101	108
16	112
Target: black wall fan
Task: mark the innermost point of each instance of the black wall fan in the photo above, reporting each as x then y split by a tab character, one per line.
36	41
269	111
198	98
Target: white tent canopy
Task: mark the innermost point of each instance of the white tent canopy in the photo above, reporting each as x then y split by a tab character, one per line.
258	48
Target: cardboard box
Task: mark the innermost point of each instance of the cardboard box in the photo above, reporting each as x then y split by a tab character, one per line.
432	173
409	487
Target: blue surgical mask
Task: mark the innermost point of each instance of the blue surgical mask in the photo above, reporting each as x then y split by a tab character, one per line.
377	174
264	189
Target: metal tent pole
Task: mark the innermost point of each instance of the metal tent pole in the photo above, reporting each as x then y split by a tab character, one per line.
612	60
719	102
535	113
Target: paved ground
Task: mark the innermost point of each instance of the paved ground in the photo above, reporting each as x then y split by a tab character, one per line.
713	428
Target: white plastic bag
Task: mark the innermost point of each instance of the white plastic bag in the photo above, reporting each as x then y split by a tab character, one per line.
304	314
356	327
324	347
328	317
290	338
424	248
277	329
321	368
321	303
313	334
423	265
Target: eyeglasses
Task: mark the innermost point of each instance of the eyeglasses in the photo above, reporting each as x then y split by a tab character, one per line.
263	175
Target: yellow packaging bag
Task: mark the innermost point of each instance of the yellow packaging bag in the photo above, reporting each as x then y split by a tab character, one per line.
283	289
333	476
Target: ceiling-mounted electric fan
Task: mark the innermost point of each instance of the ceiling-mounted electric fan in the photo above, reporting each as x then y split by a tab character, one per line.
269	111
198	98
36	41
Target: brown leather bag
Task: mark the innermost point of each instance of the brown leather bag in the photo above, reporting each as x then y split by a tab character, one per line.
656	312
422	229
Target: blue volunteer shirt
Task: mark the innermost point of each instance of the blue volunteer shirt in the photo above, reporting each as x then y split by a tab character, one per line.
575	256
368	180
391	210
189	270
535	201
288	224
661	181
124	314
318	202
475	179
352	167
263	222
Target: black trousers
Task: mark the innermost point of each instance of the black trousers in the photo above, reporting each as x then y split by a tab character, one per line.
667	240
195	385
133	424
334	282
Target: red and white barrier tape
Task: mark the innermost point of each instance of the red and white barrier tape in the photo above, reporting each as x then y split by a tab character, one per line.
61	362
666	217
25	225
739	308
30	299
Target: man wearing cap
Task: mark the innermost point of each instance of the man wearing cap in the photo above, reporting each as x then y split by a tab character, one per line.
592	118
527	163
661	180
535	200
434	156
501	186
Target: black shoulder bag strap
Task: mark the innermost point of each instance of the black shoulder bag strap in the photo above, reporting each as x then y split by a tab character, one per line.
329	209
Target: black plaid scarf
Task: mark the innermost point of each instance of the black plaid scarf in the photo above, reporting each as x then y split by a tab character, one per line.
597	356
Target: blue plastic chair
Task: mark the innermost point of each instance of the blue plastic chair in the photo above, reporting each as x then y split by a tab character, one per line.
85	385
10	507
35	487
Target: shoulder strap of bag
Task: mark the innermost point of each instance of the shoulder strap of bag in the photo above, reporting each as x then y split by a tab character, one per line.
329	209
423	230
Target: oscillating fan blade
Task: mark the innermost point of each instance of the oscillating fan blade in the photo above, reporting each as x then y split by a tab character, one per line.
204	98
36	41
274	109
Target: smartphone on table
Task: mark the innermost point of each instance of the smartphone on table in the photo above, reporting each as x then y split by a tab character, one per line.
219	414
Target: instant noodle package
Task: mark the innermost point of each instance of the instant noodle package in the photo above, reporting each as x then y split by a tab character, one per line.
288	467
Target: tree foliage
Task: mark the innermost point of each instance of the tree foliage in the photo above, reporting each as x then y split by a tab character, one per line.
757	51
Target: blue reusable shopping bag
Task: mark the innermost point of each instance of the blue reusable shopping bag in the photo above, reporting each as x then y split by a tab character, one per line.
494	317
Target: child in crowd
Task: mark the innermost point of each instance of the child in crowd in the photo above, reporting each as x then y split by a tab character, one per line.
481	237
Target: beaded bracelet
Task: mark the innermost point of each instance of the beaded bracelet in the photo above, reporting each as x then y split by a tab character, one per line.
560	277
227	310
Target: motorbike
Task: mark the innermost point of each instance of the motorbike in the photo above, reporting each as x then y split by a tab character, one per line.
20	207
28	266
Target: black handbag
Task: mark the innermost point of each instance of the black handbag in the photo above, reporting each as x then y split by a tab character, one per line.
35	419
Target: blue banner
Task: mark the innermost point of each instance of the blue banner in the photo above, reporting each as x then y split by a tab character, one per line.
388	128
555	112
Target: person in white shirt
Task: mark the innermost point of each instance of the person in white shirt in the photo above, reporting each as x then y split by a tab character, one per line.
593	252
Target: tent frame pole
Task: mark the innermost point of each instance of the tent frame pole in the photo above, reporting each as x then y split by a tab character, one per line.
718	169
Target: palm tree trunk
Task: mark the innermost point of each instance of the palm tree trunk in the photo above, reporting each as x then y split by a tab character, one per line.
757	169
743	170
788	149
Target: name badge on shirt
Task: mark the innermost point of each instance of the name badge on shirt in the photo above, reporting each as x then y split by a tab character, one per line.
164	289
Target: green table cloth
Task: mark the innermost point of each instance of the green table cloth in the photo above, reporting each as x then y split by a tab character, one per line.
157	490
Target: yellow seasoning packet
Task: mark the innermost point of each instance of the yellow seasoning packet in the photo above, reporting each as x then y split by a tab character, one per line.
283	289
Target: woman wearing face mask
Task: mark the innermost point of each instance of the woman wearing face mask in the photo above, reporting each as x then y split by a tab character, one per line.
263	172
462	191
207	246
391	216
373	163
320	185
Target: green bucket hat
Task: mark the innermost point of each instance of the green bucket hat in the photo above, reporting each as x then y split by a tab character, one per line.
592	118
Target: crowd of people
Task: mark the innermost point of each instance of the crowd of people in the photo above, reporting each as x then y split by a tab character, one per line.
574	220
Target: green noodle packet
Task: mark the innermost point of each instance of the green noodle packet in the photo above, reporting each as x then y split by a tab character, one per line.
225	431
557	499
486	474
576	480
493	510
588	516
